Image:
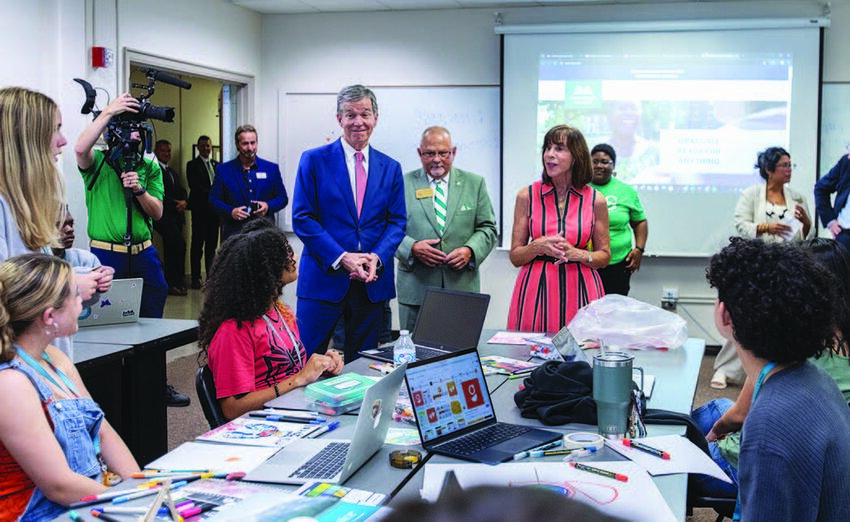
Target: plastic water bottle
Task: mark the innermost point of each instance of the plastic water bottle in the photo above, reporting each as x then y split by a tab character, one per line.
403	350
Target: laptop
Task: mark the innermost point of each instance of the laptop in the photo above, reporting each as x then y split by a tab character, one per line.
455	415
448	320
119	305
330	460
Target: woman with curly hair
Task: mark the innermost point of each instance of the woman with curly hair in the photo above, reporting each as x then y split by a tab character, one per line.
248	335
778	305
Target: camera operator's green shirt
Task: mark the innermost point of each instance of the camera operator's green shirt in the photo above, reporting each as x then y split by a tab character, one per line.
105	201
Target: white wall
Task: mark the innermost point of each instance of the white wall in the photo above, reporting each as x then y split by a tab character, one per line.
46	43
323	52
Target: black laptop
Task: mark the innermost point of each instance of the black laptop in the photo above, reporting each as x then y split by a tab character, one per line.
449	320
455	415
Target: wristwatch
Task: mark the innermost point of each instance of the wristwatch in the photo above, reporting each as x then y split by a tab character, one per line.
140	192
589	258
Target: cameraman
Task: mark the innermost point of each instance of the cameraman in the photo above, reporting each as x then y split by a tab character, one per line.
108	216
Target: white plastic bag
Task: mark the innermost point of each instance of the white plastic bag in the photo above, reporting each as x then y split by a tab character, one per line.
622	322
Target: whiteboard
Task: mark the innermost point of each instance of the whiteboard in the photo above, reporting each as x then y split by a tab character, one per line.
472	115
835	125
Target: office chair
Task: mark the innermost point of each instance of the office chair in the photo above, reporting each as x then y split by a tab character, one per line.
724	507
205	387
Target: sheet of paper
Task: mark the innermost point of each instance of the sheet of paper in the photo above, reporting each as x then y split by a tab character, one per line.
223	458
518	338
257	432
636	500
684	457
403	437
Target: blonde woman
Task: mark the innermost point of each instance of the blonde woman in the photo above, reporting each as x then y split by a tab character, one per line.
54	442
32	194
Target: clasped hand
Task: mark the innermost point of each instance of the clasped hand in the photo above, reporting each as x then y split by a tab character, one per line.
553	246
330	363
425	252
361	267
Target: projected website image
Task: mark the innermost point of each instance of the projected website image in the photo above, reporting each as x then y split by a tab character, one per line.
677	123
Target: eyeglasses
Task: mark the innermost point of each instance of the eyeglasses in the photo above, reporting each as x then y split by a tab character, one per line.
603	162
787	165
430	154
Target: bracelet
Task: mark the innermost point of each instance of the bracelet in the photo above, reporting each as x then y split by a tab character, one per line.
640	248
276	391
589	258
140	192
762	228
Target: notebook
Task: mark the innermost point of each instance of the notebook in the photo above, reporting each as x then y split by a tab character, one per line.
329	460
455	416
119	305
448	320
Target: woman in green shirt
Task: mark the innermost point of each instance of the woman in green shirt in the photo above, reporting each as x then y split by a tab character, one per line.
626	217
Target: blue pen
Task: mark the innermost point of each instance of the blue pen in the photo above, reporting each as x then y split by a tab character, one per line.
284	418
145	492
324	429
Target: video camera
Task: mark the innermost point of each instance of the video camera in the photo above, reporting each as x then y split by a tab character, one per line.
121	137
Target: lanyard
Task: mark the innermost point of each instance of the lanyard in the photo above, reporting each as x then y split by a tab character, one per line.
762	376
296	344
27	358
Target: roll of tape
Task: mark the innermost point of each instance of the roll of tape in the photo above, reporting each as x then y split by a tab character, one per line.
583	439
405	459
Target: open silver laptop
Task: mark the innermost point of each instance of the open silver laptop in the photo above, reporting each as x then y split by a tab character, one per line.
330	460
448	320
119	305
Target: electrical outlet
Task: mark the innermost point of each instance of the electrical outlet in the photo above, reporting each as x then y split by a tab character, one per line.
668	304
670	294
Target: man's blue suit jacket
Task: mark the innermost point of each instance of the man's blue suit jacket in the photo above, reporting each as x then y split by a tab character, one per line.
324	216
838	181
230	190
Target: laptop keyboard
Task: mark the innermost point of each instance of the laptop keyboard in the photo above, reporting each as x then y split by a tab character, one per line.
423	353
325	464
483	438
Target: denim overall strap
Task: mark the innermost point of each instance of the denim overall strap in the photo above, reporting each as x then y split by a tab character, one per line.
75	423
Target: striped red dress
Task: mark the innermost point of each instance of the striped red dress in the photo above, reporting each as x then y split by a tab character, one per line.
547	295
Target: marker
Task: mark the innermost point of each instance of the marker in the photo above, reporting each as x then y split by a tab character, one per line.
646	449
145	493
288	413
197	510
530	453
103	516
381	368
73	515
123	510
302	420
552	453
577	454
324	429
601	472
517	376
168	474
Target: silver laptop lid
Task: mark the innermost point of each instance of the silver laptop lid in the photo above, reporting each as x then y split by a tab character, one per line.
119	305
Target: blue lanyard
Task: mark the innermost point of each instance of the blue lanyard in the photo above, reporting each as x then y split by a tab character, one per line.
762	376
27	358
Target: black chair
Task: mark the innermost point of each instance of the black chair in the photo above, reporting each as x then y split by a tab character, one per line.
724	507
205	387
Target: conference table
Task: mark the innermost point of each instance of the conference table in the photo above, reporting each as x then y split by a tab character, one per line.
676	374
123	367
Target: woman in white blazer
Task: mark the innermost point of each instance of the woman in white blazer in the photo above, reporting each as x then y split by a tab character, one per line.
773	212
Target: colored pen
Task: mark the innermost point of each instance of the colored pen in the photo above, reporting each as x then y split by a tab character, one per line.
381	368
576	454
168	474
551	453
324	429
646	449
517	376
103	516
288	413
600	472
123	510
152	491
302	420
197	510
523	454
73	515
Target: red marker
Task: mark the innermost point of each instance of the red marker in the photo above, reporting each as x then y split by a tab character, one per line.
597	471
647	449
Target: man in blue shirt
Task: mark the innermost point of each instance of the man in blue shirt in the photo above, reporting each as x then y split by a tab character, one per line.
247	187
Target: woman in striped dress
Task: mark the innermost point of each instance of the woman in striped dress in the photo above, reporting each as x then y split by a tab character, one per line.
560	237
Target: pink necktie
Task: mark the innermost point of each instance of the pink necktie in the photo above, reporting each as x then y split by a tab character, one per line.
360	178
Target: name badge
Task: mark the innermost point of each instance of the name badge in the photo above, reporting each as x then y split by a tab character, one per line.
425	193
261	175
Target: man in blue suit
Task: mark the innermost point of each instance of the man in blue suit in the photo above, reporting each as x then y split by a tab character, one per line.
836	217
348	210
246	187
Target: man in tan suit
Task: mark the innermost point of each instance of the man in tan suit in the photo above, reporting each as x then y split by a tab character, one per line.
451	227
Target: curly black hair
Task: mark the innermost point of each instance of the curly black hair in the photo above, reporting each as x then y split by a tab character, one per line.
768	158
835	258
778	296
245	279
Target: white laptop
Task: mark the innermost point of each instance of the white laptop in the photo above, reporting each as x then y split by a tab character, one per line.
119	305
333	460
